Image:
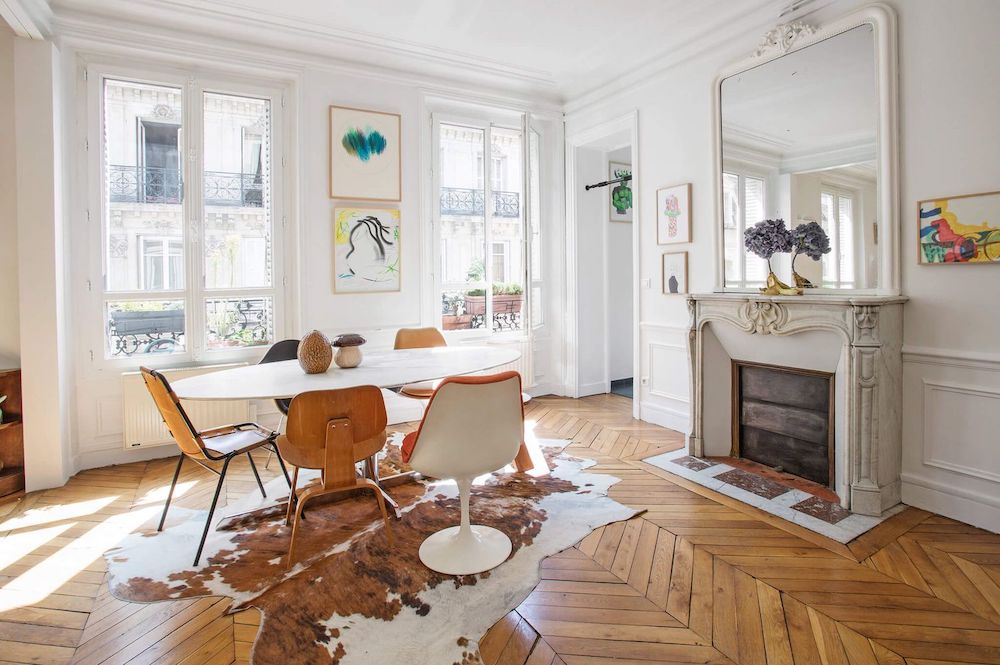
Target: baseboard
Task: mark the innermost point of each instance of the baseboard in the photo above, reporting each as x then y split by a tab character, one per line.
595	388
540	389
679	421
973	508
94	459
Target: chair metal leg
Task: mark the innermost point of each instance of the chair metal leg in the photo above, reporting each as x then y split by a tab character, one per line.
281	463
274	450
170	494
211	510
256	475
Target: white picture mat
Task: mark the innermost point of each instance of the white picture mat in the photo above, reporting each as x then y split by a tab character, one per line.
676	228
379	178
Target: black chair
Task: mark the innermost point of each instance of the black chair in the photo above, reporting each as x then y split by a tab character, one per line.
286	349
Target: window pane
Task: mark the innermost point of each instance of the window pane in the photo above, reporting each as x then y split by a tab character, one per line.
507	228
756	267
239	322
237	188
731	237
138	327
463	237
845	239
142	180
828	222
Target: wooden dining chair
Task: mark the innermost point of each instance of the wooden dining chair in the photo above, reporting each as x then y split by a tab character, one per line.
419	338
333	430
222	444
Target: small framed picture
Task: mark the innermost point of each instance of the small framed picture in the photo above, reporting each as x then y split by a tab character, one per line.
675	273
673	214
365	160
620	195
959	229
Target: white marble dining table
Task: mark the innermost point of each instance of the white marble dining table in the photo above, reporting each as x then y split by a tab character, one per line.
385	369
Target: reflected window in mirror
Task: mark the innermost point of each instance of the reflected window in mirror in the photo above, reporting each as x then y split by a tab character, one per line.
744	201
837	220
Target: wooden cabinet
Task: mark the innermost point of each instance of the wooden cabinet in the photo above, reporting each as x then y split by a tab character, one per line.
11	437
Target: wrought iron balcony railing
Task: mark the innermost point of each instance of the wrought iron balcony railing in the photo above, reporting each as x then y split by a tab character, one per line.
150	184
458	201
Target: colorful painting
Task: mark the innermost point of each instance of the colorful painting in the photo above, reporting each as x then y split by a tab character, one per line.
365	250
673	214
960	229
675	273
364	155
620	194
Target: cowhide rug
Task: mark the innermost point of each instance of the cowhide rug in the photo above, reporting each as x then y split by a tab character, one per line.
351	598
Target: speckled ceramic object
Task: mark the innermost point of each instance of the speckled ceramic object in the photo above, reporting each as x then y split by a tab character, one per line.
348	350
315	353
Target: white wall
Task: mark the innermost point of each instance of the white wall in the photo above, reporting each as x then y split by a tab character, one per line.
948	51
620	285
10	336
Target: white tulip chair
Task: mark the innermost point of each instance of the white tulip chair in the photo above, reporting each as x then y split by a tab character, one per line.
473	426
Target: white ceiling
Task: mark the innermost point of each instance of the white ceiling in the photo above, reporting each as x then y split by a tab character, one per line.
569	47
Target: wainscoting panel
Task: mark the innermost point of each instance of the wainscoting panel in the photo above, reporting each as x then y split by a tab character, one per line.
666	376
951	420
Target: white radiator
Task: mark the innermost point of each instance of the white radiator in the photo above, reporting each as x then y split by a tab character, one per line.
142	425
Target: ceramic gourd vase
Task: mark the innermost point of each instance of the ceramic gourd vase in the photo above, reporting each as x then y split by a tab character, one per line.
315	353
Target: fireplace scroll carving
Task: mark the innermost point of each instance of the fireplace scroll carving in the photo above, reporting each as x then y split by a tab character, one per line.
867	330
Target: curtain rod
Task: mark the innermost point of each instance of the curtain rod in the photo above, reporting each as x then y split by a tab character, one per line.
608	182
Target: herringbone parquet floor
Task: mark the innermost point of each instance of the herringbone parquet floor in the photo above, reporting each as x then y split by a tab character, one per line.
697	578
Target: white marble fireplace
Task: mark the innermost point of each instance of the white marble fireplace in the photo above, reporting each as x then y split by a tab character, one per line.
856	338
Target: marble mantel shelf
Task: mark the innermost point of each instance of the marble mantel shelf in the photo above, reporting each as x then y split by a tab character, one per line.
868	332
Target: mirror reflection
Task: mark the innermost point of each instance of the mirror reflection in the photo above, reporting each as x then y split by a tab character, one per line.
799	144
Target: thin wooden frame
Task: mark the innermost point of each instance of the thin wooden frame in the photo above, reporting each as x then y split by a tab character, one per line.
831	442
690	214
663	274
399	157
920	261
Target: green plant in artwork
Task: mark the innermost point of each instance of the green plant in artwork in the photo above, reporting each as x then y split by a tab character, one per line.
621	195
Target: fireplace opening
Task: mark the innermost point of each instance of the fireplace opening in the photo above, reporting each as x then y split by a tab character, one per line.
783	418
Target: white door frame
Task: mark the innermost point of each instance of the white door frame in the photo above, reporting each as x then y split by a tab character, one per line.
630	123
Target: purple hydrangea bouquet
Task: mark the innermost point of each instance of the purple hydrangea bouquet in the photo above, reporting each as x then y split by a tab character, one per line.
809	239
765	239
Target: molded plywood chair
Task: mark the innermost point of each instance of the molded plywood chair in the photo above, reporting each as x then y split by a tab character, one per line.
473	425
419	338
333	430
221	444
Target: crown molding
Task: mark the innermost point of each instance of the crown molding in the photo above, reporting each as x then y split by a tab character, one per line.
202	23
30	19
96	40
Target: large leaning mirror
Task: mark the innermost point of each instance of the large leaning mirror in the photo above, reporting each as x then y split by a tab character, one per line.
801	139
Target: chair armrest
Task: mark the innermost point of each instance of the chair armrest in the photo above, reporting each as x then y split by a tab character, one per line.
409	443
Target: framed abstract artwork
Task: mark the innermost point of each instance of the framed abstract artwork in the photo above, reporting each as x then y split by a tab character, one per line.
959	229
620	195
675	273
366	250
365	161
673	214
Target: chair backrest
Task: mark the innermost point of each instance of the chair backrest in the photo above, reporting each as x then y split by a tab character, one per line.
286	349
187	437
473	425
306	430
418	338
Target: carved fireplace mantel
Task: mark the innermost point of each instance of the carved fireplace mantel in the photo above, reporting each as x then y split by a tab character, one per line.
869	333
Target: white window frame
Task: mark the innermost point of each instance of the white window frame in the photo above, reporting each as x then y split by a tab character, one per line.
838	193
92	328
485	122
741	221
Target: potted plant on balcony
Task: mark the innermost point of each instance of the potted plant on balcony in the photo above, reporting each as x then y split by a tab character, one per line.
507	298
453	314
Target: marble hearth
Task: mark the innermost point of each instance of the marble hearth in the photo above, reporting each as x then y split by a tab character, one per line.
857	339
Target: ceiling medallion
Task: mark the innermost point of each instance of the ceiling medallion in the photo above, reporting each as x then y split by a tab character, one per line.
781	39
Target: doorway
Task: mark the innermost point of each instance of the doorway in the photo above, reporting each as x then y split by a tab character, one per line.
602	200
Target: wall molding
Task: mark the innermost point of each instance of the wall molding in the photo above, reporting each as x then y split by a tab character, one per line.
675	348
924	355
960	389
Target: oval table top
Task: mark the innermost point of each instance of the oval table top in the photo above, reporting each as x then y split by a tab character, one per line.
385	369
